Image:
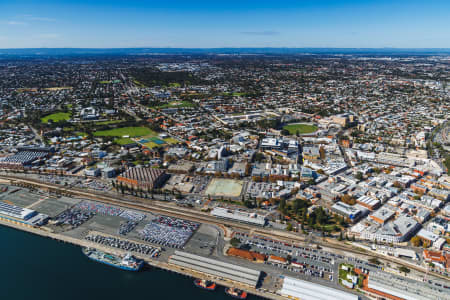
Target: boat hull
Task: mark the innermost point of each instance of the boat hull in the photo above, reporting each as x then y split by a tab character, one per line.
118	266
210	288
243	294
135	268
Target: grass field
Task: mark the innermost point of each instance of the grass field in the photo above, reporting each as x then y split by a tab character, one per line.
81	133
301	128
139	84
108	122
58	88
171	140
174	104
129	131
56	117
151	145
123	141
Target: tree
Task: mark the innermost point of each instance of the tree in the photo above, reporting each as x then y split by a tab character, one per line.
348	199
404	269
416	241
322	152
285	132
289	227
359	176
235	242
282	206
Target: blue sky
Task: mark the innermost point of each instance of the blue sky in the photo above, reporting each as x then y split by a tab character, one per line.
213	23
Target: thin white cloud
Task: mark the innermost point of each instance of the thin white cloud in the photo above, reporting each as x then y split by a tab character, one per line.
16	23
41	19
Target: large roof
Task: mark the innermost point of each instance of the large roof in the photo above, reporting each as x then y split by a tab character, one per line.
305	290
15	211
216	268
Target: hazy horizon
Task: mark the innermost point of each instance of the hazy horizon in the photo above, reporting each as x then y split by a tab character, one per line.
228	24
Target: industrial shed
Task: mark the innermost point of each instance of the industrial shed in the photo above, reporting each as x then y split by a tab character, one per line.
239	216
216	268
16	211
305	290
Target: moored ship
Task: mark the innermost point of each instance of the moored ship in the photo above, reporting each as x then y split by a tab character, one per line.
205	284
236	293
128	262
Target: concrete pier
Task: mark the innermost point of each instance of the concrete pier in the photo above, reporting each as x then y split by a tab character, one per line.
147	259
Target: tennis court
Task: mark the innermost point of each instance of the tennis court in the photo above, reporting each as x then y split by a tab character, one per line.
157	141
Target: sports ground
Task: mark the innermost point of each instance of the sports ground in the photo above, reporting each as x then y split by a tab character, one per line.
300	128
224	187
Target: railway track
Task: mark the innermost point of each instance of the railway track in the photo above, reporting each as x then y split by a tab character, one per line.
207	219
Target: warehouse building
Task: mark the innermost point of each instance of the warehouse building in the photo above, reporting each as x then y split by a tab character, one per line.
216	268
24	158
300	289
383	215
398	231
144	178
368	202
239	216
246	254
21	216
347	211
16	211
393	287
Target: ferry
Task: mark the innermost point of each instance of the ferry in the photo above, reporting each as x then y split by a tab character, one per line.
236	293
205	284
128	262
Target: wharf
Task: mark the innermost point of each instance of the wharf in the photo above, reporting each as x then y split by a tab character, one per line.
157	264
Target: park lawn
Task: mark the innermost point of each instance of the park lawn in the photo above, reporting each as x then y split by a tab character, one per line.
329	227
152	145
343	273
174	84
105	81
58	88
171	140
108	122
81	133
123	131
123	141
301	128
139	84
56	117
176	103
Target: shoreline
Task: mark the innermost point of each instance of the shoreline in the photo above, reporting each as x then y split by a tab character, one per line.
152	263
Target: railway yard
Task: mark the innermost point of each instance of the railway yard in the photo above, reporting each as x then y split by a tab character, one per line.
155	234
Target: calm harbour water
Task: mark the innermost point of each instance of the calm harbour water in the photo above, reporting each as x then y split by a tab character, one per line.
35	268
